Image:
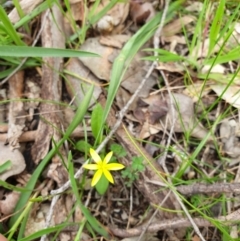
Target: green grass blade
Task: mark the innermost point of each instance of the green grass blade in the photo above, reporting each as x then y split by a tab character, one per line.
25	51
21	14
216	25
39	9
6	165
44	232
9	29
12	187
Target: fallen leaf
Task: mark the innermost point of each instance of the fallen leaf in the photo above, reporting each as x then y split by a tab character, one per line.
141	12
231	94
177	25
183	117
77	87
99	66
229	134
15	157
113	20
116	41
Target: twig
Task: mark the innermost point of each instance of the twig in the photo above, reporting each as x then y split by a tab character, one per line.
176	223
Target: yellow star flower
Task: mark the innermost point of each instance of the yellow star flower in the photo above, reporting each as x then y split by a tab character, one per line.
102	167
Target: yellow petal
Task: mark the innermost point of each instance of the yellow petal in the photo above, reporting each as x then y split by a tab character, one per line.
91	166
96	177
108	157
114	166
108	175
95	156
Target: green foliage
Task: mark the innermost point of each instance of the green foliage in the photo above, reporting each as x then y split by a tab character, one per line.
216	25
83	146
102	185
118	150
131	173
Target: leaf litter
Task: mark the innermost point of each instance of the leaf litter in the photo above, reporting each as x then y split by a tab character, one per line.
199	105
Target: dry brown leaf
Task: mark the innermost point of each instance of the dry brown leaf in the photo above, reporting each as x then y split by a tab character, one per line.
78	87
123	97
183	118
100	66
141	12
175	38
149	130
176	26
77	10
15	157
171	67
113	20
134	75
116	41
229	134
231	94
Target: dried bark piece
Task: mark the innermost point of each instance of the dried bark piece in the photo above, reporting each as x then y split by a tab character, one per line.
15	157
16	116
51	88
